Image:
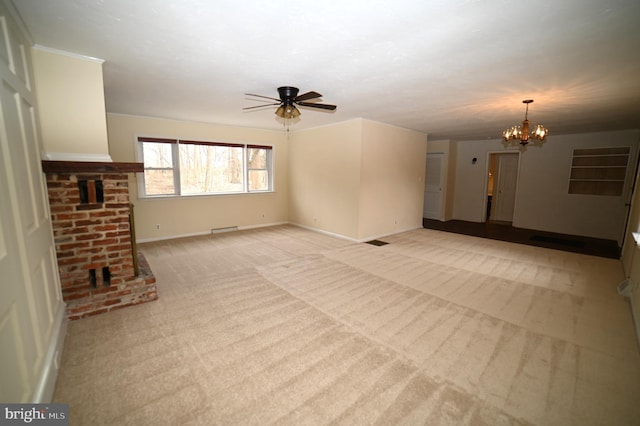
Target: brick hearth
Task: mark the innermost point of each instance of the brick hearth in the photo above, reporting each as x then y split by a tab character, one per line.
91	216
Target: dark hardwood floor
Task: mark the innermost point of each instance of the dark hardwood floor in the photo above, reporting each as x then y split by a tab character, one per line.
506	232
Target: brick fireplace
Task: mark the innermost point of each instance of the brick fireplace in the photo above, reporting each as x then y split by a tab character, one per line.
94	234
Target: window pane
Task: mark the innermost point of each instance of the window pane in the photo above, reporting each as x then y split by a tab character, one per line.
257	158
258	180
259	169
158	182
157	155
206	168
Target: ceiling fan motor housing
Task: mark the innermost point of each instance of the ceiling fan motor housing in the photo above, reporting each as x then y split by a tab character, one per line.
287	94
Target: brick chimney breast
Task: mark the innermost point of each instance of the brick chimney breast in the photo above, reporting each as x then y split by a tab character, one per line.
92	228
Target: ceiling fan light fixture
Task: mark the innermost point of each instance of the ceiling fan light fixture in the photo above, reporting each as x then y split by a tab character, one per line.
288	101
287	112
521	134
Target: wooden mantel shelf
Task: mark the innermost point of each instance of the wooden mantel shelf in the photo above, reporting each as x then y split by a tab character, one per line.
90	167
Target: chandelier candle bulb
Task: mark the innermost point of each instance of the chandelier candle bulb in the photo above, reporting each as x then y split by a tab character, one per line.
522	134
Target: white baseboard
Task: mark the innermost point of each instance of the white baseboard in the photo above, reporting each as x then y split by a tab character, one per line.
265	225
200	233
355	240
262	225
49	373
171	237
322	231
399	231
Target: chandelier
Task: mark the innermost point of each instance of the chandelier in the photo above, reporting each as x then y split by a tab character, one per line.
521	134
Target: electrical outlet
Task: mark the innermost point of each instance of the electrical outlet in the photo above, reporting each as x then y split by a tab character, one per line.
158	226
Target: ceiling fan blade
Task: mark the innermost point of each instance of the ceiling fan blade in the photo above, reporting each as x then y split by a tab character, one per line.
308	95
262	106
316	105
260	96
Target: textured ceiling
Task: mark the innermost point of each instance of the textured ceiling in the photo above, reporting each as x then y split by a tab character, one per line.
455	69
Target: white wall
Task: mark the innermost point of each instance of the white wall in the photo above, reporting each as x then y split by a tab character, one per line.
32	313
181	216
631	257
470	179
542	199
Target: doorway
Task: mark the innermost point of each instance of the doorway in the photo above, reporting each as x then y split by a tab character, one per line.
502	183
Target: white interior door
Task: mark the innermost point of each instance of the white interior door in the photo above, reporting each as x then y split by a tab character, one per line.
31	305
433	195
504	195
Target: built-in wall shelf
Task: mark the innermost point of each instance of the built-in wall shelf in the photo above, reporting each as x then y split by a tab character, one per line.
599	171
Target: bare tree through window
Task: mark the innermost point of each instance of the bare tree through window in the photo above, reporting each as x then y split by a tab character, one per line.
158	168
176	167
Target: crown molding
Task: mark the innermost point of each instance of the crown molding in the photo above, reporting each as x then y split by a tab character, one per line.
69	54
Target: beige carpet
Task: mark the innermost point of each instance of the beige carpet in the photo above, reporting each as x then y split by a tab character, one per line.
286	326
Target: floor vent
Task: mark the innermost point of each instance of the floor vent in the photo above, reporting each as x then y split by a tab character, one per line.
377	243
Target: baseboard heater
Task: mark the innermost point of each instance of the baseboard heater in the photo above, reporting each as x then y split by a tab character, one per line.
221	230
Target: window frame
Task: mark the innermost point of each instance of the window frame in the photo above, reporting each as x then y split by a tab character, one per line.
175	156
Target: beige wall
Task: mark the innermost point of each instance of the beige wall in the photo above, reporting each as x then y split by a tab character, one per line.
324	176
359	179
391	180
71	105
181	216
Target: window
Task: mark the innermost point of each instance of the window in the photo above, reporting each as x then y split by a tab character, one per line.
186	167
259	166
159	176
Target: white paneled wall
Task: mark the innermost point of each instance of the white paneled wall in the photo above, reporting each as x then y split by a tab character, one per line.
32	314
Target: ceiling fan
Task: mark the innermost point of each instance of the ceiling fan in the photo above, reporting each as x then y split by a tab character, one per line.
289	98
